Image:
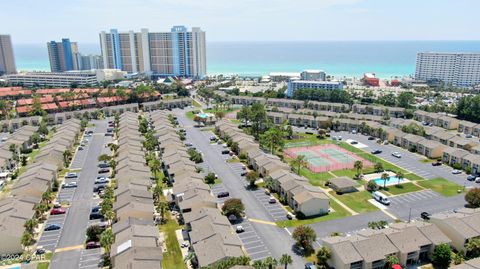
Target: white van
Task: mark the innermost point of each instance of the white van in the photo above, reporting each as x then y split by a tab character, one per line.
381	198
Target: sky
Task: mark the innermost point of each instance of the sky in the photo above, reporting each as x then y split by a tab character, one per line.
36	21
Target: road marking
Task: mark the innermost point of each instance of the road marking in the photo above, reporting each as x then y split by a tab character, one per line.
263	222
389	214
288	231
68	248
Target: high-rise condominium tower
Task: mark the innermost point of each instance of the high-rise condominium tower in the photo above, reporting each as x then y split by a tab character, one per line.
176	53
7	59
456	69
62	55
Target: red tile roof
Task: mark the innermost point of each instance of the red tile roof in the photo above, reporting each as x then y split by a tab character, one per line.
106	100
51	91
29	101
83	102
89	90
9	92
49	106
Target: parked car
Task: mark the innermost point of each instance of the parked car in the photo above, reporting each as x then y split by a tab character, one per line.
425	215
103	170
102	180
381	198
471	177
225	151
57	205
92	244
69	185
188	144
339	137
376	151
108	134
80	148
353	142
96	215
99	187
310	265
477	180
437	163
52	227
396	155
239	229
57	211
223	194
95	209
244	173
272	200
213	138
104	165
456	172
371	138
71	175
290	216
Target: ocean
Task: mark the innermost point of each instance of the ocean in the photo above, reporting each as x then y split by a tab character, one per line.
386	59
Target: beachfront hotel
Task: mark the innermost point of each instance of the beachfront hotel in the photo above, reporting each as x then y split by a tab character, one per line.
62	55
456	69
7	59
176	53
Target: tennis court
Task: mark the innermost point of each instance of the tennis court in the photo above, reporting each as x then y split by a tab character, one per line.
324	158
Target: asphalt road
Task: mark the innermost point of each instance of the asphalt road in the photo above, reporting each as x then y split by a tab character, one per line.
267	238
77	219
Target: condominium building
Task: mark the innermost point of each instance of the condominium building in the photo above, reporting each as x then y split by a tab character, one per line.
176	53
313	75
294	85
88	62
7	59
62	55
456	69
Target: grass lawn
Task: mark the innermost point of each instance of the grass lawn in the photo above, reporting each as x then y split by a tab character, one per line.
441	185
316	179
413	177
196	104
43	265
217	181
403	188
233	160
351	173
190	115
357	201
339	212
172	259
372	158
427	160
235	121
212	110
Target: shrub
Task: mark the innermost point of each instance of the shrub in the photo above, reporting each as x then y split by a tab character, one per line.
457	166
371	186
473	197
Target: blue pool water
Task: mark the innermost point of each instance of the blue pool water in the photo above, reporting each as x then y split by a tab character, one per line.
203	115
390	181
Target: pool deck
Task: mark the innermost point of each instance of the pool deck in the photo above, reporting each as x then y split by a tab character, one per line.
375	176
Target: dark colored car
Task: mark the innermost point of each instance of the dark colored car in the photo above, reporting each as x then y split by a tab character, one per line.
52	227
471	177
223	194
437	163
244	173
96	209
309	265
92	244
371	138
225	151
103	165
376	151
57	211
103	170
96	215
99	187
425	215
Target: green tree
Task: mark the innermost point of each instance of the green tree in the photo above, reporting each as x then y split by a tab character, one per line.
399	176
392	260
234	207
473	248
106	239
299	162
442	255
244	114
378	167
155	166
473	197
270	262
405	99
259	264
162	208
459	257
30	225
323	254
304	237
273	138
210	178
358	165
104	158
251	177
27	239
286	260
385	177
67	155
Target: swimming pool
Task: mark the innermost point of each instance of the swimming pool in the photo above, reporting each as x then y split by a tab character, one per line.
391	180
203	115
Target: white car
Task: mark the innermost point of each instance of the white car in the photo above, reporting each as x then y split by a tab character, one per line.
397	155
456	172
239	229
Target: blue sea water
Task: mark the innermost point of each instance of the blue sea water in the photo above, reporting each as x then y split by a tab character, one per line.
339	58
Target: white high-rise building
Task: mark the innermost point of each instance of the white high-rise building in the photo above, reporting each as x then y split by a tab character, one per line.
456	69
176	53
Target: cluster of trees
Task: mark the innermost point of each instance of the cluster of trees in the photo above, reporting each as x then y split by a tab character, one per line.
473	197
304	237
233	207
195	156
468	108
337	96
414	128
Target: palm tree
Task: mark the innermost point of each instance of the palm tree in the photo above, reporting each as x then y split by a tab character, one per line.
299	162
385	177
473	247
399	176
286	260
27	239
30	225
323	255
358	165
270	262
104	158
162	208
113	147
392	260
106	239
259	264
67	154
155	166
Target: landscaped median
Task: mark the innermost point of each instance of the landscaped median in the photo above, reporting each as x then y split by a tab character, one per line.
401	189
442	186
172	259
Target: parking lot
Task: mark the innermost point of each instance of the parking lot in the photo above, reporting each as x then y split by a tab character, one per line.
90	258
411	205
49	239
252	242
